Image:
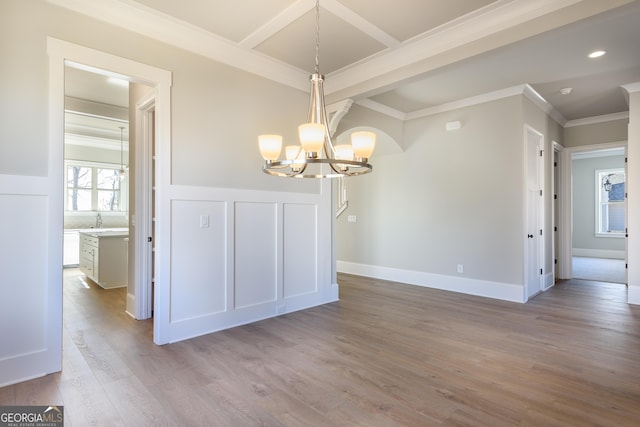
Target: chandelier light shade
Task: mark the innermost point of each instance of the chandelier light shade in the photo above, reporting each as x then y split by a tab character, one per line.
270	146
363	144
316	156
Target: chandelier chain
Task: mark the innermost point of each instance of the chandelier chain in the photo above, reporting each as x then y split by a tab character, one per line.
317	69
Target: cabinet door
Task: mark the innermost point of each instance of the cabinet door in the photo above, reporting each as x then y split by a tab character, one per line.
96	263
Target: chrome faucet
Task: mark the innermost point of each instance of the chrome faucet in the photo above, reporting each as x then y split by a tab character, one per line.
98	220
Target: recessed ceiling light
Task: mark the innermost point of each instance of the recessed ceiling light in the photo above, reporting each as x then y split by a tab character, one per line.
597	54
566	90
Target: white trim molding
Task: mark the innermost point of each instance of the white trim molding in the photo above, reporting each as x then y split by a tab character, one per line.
483	288
597	119
599	253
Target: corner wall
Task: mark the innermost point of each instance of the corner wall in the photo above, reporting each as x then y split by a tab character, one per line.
450	198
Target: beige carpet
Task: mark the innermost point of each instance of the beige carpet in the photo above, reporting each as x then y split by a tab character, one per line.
599	269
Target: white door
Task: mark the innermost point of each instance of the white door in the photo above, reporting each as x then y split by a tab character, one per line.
534	214
626	218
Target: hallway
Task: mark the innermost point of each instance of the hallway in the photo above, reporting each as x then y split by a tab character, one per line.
599	269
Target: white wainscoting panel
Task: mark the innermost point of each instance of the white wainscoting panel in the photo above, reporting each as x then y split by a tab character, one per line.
300	249
30	279
198	258
23	271
256	253
263	254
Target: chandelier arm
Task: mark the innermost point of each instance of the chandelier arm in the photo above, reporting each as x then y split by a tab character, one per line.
283	168
330	166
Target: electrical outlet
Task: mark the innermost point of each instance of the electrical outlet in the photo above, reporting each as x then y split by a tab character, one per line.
352	218
460	268
204	221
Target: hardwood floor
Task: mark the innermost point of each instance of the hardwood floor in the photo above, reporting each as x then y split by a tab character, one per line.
386	354
599	269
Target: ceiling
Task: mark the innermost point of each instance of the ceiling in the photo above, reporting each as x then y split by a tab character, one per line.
407	57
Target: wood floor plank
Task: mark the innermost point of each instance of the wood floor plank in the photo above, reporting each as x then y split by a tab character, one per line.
386	354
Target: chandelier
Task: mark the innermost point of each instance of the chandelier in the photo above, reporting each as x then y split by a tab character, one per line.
316	156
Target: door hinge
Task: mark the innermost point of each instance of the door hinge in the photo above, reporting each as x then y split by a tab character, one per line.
555	261
541	272
541	151
149	239
555	228
541	192
541	231
555	197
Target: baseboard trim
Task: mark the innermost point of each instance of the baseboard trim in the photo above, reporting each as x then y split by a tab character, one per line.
598	253
549	280
633	295
131	305
483	288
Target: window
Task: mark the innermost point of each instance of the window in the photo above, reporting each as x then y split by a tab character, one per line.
611	212
93	188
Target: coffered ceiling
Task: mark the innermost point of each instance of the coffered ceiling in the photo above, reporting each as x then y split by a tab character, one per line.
409	56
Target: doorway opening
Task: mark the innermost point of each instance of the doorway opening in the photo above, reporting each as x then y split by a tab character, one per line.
592	233
96	178
100	195
158	100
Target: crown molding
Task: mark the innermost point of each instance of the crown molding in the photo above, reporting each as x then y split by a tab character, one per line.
484	22
632	87
467	102
525	90
607	152
96	109
381	108
167	29
597	119
94	141
544	105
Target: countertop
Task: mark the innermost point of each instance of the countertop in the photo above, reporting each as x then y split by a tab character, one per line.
104	232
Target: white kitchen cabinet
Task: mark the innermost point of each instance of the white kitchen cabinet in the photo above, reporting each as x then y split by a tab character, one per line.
103	258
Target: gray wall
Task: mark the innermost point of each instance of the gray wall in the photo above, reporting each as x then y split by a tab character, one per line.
552	132
584	204
596	133
217	110
449	198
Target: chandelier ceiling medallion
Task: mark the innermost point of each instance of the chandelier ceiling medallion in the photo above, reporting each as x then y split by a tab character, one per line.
316	156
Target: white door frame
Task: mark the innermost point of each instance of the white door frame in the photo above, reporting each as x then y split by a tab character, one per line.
557	206
143	227
63	53
539	213
565	246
